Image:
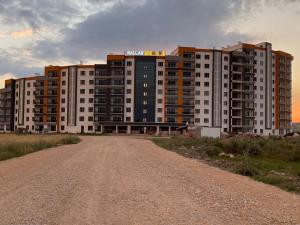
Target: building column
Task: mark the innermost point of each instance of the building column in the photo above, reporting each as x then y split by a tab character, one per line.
170	130
145	130
157	130
101	129
128	129
4	128
117	129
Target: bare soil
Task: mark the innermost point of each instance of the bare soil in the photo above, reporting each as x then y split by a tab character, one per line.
125	180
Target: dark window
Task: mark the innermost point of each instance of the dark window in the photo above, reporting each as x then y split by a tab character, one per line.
63	100
91	81
206	75
91	73
62	127
62	109
82	73
160	82
206	57
90	128
91	100
128	109
81	118
81	109
198	65
63	91
62	118
63	82
28	84
91	118
82	91
128	91
129	63
198	56
63	74
160	64
128	100
160	73
82	100
82	82
91	109
206	66
128	82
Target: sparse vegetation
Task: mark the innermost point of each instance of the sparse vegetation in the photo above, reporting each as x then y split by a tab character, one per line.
270	160
12	145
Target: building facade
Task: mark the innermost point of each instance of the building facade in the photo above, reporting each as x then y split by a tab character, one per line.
240	88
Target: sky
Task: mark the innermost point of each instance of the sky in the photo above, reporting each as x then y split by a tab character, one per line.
36	33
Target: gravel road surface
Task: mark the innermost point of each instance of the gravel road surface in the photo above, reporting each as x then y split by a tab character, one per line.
126	180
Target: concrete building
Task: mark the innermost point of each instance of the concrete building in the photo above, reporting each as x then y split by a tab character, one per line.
240	88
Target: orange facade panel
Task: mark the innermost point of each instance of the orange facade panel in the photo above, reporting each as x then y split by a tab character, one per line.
115	57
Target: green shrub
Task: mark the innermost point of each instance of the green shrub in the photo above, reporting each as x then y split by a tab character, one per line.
212	150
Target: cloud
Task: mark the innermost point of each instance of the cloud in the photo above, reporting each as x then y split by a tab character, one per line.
4	77
152	24
22	33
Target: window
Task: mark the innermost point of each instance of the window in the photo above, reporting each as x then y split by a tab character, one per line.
28	101
27	110
225	94
206	120
225	76
82	91
197	84
206	57
206	75
91	100
28	93
63	74
62	118
128	91
206	84
198	56
90	118
160	73
62	109
82	73
82	100
81	109
226	58
129	63
206	111
160	64
225	85
63	91
90	128
129	82
128	100
62	127
160	82
63	83
206	93
27	119
206	102
197	102
128	119
197	120
206	66
82	82
198	65
197	92
197	74
91	91
91	73
159	100
91	81
63	100
129	72
81	118
160	91
225	121
225	112
159	119
128	109
197	111
225	67
28	84
91	109
159	110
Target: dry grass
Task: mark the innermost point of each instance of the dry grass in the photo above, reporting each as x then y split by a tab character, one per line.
12	145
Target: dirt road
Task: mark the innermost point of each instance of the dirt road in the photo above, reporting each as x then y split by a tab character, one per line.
119	180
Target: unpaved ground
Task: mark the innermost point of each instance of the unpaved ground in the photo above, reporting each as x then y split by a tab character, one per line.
121	180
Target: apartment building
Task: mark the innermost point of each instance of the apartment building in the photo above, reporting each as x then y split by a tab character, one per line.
240	88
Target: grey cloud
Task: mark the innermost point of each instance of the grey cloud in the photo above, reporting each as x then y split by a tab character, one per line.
154	24
17	67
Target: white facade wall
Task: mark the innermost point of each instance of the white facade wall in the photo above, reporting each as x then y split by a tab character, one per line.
225	92
84	83
24	107
205	96
129	75
160	92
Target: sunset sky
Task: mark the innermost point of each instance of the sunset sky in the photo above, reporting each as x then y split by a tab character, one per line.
35	33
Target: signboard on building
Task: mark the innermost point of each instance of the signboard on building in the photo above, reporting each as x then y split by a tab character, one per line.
145	53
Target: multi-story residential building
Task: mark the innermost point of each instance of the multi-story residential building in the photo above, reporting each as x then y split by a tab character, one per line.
240	88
